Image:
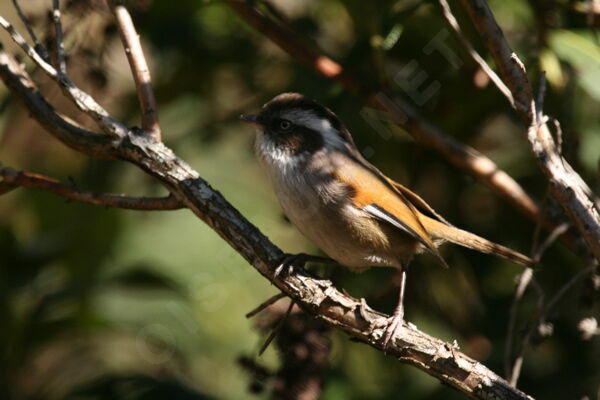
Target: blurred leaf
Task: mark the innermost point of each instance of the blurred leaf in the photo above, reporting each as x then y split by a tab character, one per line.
550	63
580	50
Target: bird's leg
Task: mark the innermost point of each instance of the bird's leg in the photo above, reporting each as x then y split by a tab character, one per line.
290	260
394	323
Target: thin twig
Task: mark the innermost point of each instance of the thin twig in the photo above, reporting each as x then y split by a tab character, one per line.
265	304
539	104
565	288
139	68
541	318
14	179
510	67
58	32
447	11
276	329
81	99
552	237
39	47
514	372
523	282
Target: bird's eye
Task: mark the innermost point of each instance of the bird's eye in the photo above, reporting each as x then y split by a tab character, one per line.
284	125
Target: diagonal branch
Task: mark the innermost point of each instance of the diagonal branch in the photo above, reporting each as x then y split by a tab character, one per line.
566	186
447	12
139	68
60	47
36	43
510	66
14	179
316	296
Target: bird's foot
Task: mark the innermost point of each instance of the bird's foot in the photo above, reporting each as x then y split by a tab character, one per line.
392	326
288	262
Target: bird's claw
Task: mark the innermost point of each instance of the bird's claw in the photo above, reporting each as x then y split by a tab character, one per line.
394	325
287	264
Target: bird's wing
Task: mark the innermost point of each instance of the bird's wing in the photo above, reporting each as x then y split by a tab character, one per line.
418	202
375	194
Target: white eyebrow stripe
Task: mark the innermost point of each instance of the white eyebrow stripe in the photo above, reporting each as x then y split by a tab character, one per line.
310	120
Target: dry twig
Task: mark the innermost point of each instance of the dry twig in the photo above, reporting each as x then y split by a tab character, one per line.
81	99
61	63
265	304
539	322
566	186
36	43
447	12
12	179
139	68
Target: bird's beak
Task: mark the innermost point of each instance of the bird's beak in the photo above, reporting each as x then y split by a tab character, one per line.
251	119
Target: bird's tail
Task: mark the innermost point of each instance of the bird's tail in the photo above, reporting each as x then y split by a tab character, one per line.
440	230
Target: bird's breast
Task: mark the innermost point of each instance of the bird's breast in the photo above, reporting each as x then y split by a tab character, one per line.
322	210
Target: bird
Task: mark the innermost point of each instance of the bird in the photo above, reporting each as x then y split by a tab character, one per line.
355	214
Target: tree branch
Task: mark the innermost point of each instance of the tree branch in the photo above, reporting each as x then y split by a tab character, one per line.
316	296
36	43
447	12
566	186
81	99
14	179
510	67
60	47
139	68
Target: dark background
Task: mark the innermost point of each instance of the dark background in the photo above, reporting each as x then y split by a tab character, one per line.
102	303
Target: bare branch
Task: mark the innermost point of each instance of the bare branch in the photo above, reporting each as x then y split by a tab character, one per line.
566	186
265	304
542	316
60	47
15	179
316	296
447	11
139	68
20	84
539	103
81	99
523	282
276	329
36	43
510	67
565	288
552	237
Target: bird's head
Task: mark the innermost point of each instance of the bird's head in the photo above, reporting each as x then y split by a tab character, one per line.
292	127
